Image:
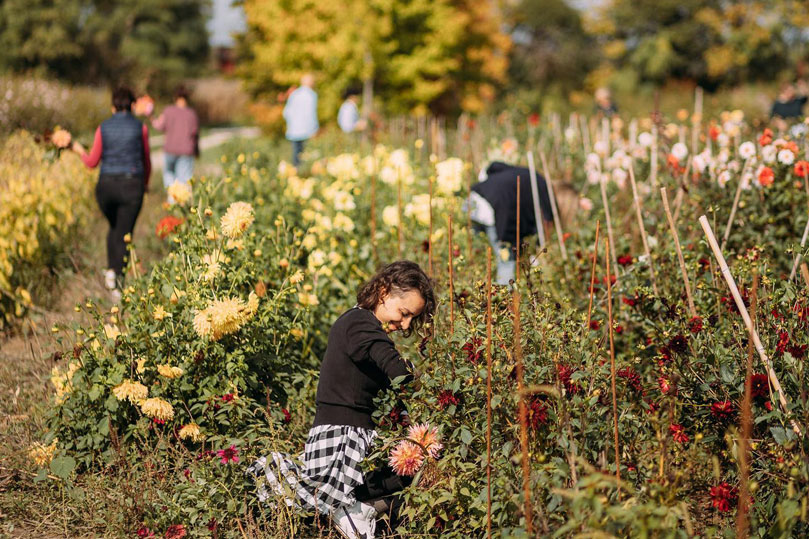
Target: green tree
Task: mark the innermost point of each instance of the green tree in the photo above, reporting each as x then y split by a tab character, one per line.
438	55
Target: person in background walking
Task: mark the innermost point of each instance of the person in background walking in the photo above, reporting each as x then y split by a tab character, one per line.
121	145
604	106
348	117
789	104
181	125
300	113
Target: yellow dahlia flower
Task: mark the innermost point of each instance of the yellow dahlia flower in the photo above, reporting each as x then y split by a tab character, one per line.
169	372
191	432
130	390
42	454
180	192
157	408
236	220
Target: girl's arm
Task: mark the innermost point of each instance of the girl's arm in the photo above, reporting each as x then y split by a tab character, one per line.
147	158
366	339
91	159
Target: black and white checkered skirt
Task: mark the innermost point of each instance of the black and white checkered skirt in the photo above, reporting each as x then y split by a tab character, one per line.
329	472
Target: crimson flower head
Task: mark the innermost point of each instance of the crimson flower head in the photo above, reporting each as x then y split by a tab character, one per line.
227	397
565	372
722	410
713	132
678	344
537	413
695	324
766	137
632	378
447	398
594	325
533	119
143	531
666	387
724	497
678	433
167	225
766	177
231	454
625	260
287	415
629	301
802	169
759	387
176	531
473	349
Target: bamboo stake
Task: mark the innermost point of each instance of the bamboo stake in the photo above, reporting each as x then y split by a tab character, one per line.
469	217
557	223
673	229
430	237
585	133
451	284
399	220
532	172
523	409
653	156
373	218
639	213
706	227
678	200
592	277
735	204
612	366
805	273
746	428
799	255
489	391
606	203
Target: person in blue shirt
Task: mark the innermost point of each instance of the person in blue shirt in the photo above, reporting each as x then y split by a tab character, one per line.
348	117
300	113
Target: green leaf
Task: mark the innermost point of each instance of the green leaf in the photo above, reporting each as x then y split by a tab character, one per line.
62	467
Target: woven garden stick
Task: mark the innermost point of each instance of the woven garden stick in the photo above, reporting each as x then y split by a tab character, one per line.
557	223
673	230
735	205
592	278
723	266
489	391
607	215
612	368
678	200
535	196
639	213
799	255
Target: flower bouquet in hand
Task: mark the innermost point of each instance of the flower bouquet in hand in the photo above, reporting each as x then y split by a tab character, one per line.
144	106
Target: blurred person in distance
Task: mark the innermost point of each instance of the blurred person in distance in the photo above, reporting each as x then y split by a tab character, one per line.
181	125
300	113
604	105
788	105
348	117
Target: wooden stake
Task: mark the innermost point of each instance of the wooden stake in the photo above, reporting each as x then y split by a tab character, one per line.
706	227
517	268
642	227
606	203
799	255
678	200
430	237
373	218
612	366
469	217
592	278
489	391
805	273
653	156
673	230
451	284
554	211
399	207
746	428
735	204
532	172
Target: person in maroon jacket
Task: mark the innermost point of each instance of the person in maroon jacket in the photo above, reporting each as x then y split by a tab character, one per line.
360	361
121	145
181	125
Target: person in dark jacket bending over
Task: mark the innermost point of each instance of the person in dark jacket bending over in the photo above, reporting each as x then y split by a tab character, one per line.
121	145
361	360
493	203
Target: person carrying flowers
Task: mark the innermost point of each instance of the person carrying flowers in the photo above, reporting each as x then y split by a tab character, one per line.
360	361
121	145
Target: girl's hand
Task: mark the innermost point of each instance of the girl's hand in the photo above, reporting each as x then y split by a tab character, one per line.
78	148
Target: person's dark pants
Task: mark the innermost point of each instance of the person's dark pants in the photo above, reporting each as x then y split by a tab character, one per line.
297	149
385	485
120	197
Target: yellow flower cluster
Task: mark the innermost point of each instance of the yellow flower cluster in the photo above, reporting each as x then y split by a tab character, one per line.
191	432
157	408
134	392
449	176
62	381
225	316
42	454
42	204
344	166
180	192
238	217
169	372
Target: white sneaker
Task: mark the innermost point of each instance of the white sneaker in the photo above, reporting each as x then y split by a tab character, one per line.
355	522
115	294
109	279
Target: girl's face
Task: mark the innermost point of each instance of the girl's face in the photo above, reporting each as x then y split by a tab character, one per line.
396	310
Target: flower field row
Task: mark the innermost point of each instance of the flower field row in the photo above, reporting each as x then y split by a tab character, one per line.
210	360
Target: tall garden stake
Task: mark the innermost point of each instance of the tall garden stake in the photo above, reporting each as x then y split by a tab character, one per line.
706	226
523	409
799	255
642	227
606	203
489	391
735	204
592	277
430	237
746	428
556	222
373	218
451	283
673	229
532	172
400	237
612	365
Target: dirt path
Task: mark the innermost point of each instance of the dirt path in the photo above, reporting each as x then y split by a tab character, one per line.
26	359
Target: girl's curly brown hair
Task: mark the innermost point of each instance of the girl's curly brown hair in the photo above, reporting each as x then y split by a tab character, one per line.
399	277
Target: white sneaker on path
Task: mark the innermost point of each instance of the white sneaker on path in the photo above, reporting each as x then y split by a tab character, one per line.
109	279
355	522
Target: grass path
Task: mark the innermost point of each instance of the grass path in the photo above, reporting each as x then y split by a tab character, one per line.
26	360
